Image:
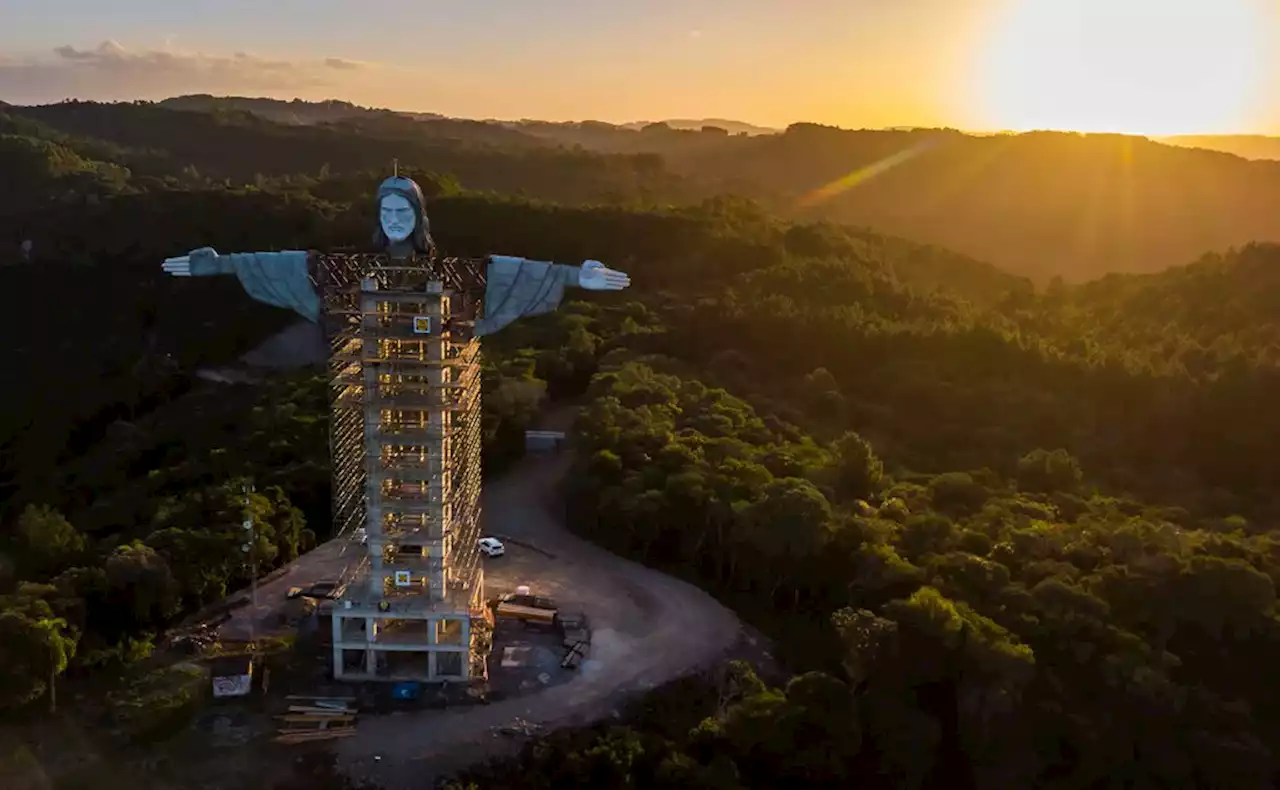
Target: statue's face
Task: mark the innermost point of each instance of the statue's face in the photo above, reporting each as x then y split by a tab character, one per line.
397	217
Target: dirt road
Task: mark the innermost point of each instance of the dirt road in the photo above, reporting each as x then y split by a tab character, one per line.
648	628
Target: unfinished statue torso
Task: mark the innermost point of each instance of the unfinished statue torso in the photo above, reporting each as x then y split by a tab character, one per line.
508	288
503	288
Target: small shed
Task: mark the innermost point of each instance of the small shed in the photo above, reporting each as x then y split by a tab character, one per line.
544	442
232	676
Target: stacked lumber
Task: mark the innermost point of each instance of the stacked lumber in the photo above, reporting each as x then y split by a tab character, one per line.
319	719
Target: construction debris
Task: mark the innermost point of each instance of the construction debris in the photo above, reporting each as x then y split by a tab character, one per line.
317	699
516	727
577	639
574	656
323	719
198	639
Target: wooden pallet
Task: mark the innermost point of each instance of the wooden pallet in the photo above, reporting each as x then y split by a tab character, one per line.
322	719
291	737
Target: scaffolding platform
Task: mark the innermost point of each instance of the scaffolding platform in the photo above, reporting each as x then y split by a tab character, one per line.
405	437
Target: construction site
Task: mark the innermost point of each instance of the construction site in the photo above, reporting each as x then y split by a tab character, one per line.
420	601
405	443
398	596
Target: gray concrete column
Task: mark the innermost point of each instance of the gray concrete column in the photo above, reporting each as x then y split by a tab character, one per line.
336	627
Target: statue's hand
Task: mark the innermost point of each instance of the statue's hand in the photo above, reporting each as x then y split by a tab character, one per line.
595	276
178	267
182	265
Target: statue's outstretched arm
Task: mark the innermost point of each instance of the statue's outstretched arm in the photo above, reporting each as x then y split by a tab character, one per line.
518	287
280	279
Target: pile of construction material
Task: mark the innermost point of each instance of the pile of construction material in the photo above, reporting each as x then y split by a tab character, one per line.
317	719
198	639
577	638
517	727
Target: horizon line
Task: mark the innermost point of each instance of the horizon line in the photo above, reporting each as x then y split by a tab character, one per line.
763	129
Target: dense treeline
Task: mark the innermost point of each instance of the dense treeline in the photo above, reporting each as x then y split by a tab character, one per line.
1020	537
1068	620
941	385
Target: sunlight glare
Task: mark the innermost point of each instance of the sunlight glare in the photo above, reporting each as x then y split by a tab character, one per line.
863	174
1134	66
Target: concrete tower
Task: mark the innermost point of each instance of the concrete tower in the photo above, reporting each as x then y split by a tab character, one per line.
406	436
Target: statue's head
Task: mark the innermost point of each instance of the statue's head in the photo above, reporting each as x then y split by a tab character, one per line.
402	217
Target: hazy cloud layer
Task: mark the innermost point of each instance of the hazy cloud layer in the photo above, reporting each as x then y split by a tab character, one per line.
112	72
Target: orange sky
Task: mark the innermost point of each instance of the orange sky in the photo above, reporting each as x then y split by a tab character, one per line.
1146	66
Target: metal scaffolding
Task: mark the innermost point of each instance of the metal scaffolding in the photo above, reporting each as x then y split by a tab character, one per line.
405	439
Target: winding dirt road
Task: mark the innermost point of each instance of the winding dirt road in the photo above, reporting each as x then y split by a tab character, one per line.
648	628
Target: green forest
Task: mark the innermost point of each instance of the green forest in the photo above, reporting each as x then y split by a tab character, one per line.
1003	534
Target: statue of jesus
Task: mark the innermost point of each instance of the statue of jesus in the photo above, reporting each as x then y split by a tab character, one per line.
512	287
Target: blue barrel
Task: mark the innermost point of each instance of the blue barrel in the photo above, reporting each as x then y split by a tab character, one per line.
407	690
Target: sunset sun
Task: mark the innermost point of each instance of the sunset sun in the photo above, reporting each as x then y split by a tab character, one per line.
1134	66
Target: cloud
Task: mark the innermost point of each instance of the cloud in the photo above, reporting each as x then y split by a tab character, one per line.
112	72
344	64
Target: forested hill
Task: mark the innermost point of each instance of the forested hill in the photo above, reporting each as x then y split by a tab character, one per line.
1038	204
1008	538
296	112
1249	146
235	147
1042	204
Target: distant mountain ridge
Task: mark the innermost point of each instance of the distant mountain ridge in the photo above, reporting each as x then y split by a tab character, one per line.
296	112
1249	146
299	112
732	127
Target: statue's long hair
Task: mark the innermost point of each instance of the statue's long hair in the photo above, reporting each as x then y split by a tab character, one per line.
420	238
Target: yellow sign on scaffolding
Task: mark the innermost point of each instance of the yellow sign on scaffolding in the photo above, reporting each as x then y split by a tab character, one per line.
422	324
